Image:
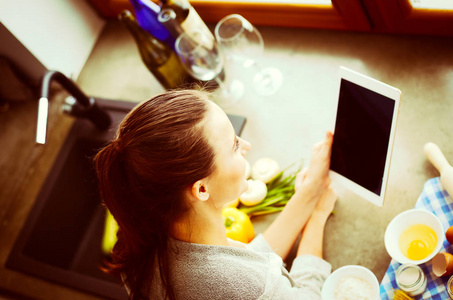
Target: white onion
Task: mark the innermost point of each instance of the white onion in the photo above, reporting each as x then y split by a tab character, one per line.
265	169
256	193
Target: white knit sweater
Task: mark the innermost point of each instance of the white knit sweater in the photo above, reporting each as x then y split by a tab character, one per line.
250	272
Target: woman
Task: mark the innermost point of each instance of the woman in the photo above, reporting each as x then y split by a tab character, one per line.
175	163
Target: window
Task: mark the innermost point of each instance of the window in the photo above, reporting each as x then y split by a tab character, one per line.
432	4
346	14
411	16
431	17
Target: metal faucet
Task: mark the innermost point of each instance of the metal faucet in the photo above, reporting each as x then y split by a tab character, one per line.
85	107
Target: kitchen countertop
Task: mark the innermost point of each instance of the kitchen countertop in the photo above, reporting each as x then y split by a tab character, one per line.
283	126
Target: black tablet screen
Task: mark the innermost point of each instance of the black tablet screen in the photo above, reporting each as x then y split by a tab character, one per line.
362	134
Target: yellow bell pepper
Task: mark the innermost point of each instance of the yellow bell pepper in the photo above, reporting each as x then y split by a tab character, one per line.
238	225
110	230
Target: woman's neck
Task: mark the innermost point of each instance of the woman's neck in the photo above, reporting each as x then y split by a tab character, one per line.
202	225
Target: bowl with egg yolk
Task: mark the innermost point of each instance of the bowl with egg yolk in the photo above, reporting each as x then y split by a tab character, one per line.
414	236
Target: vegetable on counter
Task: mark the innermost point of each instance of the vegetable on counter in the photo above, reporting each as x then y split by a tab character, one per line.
279	190
238	225
248	170
110	230
255	194
265	169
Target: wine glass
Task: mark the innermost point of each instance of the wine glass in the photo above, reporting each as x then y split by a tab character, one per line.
240	40
204	60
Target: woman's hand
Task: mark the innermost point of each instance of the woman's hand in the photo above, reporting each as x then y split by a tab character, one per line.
300	177
310	185
327	200
317	174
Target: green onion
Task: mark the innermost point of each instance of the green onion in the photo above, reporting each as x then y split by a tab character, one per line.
279	191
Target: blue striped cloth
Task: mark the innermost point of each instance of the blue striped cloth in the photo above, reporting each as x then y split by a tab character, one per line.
435	199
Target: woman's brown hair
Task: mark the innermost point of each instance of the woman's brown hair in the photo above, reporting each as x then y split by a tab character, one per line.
160	150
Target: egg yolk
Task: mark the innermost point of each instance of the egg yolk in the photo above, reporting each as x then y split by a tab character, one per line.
418	241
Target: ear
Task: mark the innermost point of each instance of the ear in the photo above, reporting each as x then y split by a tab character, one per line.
200	190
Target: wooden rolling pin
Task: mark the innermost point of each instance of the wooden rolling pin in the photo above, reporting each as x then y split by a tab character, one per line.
439	161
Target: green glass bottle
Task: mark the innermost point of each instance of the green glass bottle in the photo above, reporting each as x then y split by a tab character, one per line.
186	16
157	56
169	18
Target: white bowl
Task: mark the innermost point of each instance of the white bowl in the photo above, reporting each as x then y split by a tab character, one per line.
403	221
330	286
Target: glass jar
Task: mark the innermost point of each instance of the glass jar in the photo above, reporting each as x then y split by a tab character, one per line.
411	279
450	287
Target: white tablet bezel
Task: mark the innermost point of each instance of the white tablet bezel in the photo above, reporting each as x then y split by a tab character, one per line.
391	93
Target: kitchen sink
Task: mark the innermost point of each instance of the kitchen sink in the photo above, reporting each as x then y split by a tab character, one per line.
61	238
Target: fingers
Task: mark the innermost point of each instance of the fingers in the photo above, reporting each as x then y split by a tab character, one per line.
325	145
303	173
318	172
321	154
328	141
329	137
300	177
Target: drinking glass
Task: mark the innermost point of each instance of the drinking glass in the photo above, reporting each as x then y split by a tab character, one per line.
240	40
204	60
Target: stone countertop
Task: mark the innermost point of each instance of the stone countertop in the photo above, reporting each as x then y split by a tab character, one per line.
283	126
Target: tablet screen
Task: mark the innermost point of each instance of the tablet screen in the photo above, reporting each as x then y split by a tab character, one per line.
362	135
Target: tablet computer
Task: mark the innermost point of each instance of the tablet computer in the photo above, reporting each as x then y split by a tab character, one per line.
364	132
